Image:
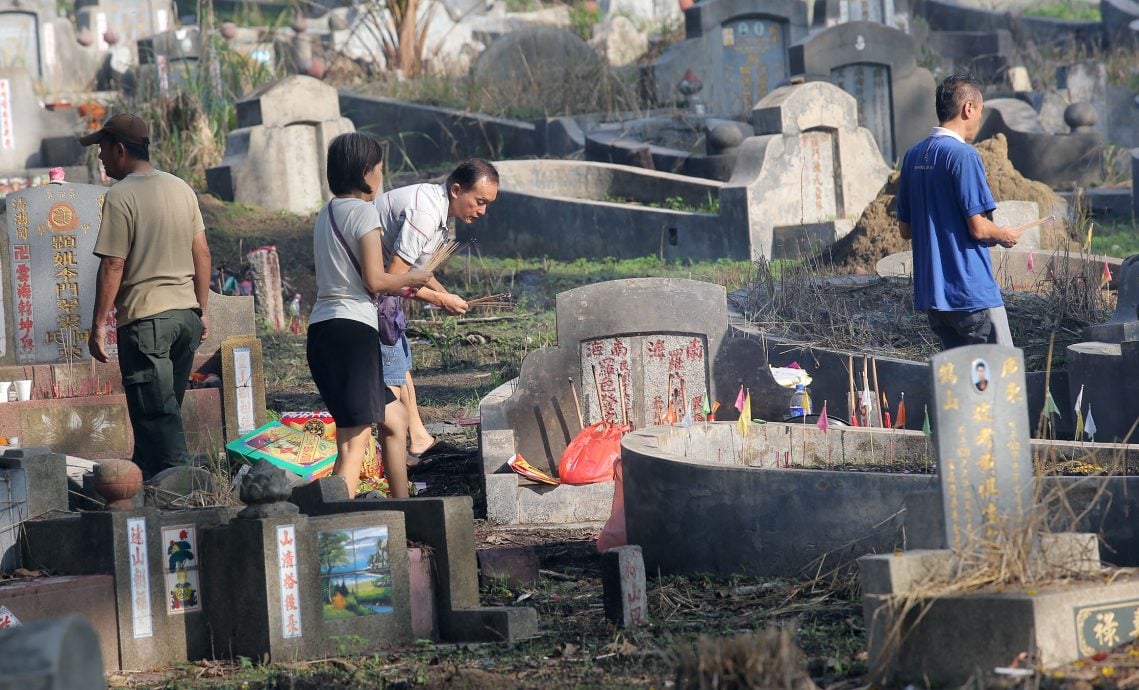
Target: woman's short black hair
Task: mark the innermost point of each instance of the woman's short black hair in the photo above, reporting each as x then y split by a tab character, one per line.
350	157
471	171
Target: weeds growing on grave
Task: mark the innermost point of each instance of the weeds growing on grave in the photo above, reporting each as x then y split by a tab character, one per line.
802	302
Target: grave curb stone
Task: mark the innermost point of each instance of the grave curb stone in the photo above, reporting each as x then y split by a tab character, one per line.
624	591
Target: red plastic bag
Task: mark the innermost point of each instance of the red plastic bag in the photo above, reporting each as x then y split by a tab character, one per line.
589	458
613	533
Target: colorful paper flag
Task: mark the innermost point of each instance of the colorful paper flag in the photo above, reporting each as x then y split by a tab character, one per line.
1106	275
1089	426
925	428
806	403
900	420
707	409
1031	263
1088	246
745	415
823	422
712	414
740	399
669	415
1050	406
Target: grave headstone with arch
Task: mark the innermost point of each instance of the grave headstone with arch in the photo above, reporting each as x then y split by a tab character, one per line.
878	66
736	49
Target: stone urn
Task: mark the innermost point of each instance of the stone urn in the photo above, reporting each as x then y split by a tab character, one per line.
117	481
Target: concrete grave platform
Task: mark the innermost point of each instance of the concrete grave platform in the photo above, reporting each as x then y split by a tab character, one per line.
641	349
768	505
965	635
807	138
90	596
446	526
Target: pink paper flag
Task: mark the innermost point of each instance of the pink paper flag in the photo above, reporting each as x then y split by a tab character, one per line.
740	400
794	365
823	423
1031	262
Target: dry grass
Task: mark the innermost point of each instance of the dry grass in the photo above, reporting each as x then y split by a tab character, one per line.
766	659
802	302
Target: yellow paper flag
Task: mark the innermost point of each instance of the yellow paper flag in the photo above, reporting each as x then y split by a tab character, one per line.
745	415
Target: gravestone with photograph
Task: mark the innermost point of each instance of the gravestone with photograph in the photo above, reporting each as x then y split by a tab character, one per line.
982	432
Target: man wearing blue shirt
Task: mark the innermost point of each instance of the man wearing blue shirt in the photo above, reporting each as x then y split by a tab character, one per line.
945	207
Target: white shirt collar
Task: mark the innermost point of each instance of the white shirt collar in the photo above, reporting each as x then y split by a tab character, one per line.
943	132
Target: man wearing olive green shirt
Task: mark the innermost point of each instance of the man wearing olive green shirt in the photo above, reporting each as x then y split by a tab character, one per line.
155	271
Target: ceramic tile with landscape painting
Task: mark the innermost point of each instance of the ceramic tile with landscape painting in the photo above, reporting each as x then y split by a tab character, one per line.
355	572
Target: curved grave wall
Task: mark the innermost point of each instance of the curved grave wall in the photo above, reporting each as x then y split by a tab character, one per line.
707	500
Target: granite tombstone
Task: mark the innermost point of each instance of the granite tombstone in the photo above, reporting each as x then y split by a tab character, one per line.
51	235
981	432
877	65
736	49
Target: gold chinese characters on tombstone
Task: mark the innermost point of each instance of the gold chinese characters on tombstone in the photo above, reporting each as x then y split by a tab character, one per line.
980	419
53	271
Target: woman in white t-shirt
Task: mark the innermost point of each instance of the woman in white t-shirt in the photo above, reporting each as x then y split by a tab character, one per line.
343	328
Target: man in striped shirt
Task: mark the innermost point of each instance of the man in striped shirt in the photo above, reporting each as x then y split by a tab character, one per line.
414	222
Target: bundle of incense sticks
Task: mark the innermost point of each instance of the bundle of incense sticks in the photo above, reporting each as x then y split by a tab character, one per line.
501	300
444	252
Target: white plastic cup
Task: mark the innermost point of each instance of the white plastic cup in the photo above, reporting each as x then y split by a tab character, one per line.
5	386
24	389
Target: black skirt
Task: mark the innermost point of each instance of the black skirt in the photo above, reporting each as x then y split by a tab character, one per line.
344	358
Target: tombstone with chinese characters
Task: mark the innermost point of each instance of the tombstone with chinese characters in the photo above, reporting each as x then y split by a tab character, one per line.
51	235
992	514
76	405
34	37
735	48
158	574
636	349
809	172
892	13
308	583
877	65
276	155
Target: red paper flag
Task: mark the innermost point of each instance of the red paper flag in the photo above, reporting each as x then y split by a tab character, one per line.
900	420
823	422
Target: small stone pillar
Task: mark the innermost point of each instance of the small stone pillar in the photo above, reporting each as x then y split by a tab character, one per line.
625	591
267	285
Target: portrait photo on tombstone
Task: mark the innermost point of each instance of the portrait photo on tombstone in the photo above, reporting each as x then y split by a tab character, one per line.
980	375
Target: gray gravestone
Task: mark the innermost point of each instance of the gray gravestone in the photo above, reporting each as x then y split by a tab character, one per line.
33	37
870	86
130	20
878	66
892	13
981	430
56	654
24	122
51	234
1124	323
736	49
623	586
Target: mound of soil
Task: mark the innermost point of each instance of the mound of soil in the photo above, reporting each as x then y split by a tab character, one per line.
876	234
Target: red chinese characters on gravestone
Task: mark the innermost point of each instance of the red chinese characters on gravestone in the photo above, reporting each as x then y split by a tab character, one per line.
289	582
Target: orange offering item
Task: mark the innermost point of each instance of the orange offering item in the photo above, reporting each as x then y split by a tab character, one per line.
590	456
519	465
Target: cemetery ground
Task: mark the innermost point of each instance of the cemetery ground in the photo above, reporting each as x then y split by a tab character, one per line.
696	622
